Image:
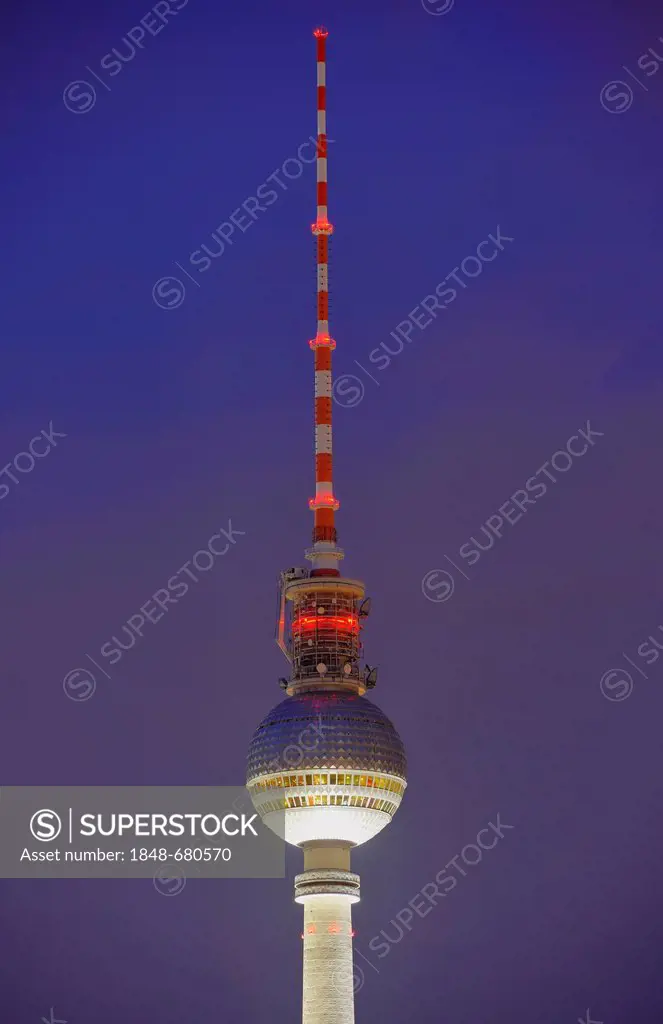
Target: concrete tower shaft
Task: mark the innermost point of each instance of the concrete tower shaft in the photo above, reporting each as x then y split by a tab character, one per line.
327	888
327	987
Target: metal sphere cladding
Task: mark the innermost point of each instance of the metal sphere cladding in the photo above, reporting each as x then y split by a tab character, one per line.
326	766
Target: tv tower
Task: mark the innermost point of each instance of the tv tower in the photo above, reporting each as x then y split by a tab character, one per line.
326	768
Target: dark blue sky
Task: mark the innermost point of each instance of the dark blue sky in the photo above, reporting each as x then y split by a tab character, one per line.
177	420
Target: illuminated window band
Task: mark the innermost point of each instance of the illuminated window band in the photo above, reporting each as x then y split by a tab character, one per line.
327	778
313	780
328	800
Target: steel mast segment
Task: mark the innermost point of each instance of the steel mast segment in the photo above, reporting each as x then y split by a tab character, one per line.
325	554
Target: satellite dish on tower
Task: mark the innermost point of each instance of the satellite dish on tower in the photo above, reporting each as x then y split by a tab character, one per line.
371	677
365	608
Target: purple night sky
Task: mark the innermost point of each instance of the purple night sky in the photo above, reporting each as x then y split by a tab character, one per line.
183	415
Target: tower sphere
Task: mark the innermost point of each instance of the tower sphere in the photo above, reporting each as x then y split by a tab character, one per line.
326	766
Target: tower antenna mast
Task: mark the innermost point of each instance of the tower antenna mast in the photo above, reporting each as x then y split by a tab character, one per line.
325	554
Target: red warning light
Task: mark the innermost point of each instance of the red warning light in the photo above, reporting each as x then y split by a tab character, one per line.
322	227
325	500
322	341
311	623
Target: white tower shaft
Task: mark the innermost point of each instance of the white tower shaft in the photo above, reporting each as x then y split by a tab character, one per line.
327	888
328	996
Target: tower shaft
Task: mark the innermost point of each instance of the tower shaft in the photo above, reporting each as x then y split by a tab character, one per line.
324	504
327	994
327	888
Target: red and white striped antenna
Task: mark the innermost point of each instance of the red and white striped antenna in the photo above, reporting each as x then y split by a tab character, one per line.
325	554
